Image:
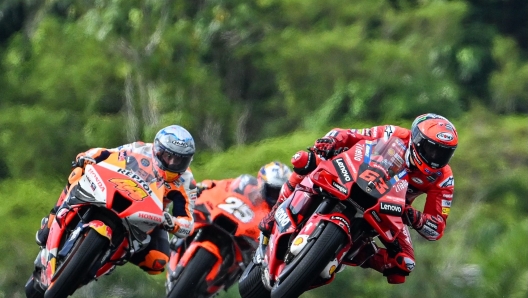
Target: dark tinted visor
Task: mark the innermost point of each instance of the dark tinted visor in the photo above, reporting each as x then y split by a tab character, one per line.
170	161
435	155
271	193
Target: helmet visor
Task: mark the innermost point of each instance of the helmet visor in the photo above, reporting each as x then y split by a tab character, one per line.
271	193
435	155
171	161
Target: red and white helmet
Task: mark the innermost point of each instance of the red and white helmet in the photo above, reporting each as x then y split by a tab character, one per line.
433	142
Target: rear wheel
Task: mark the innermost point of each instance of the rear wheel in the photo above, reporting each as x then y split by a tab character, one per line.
73	270
314	261
191	282
250	284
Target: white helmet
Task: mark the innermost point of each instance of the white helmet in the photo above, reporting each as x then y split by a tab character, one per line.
273	175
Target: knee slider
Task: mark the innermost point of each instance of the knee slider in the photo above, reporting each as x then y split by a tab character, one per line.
404	262
154	262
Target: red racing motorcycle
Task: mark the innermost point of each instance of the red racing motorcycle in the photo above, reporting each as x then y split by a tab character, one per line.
225	236
334	214
106	217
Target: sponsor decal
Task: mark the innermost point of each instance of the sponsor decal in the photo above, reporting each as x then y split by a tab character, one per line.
446	203
135	192
448	195
282	217
358	153
445	136
431	178
402	184
150	217
449	181
92	186
97	179
183	231
296	156
446	210
409	263
391	209
417	180
391	151
180	143
389	130
340	187
145	162
342	170
122	155
375	215
137	178
428	233
431	224
345	223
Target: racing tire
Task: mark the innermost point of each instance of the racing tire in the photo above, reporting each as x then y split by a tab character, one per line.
73	270
191	282
250	284
314	261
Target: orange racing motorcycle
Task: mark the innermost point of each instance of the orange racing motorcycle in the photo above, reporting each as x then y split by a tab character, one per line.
225	236
333	214
106	217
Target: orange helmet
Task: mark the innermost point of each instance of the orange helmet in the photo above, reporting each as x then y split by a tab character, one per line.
433	142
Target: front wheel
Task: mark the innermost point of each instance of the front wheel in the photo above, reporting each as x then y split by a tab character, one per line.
31	290
314	261
191	282
74	269
250	284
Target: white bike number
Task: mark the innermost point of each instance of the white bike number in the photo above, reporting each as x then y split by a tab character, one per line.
238	208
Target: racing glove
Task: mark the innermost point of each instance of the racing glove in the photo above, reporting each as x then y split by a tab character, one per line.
412	217
168	222
82	161
205	184
325	146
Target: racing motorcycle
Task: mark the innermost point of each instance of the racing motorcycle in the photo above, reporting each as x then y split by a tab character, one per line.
225	236
106	217
331	220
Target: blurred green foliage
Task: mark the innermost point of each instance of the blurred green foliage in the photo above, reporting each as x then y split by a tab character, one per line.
256	81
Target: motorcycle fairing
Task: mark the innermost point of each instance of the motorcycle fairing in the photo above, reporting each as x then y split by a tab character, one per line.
226	220
95	189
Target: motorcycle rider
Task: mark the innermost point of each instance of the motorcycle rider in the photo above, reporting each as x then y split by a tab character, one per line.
170	156
432	140
270	179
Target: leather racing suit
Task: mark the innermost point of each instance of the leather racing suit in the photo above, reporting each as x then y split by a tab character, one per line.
397	260
181	193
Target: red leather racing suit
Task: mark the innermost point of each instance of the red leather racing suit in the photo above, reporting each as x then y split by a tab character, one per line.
398	261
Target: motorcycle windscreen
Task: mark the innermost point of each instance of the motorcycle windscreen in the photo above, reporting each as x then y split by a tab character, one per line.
383	165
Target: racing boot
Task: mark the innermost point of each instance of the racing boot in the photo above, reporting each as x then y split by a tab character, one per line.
42	234
395	269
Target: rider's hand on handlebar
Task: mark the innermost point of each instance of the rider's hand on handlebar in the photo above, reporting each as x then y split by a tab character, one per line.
82	161
168	222
325	146
412	217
